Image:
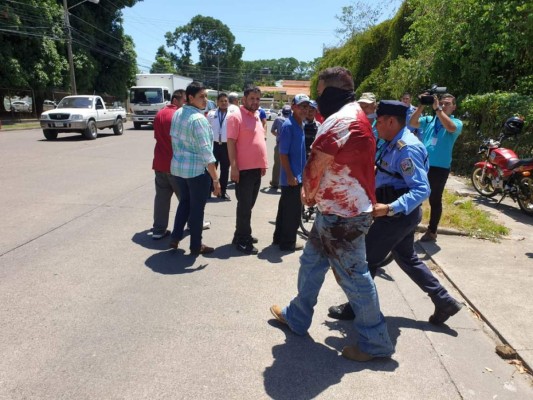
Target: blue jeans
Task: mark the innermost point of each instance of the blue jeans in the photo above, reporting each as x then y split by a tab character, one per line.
340	242
193	196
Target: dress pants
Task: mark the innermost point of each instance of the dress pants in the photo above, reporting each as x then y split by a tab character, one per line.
246	191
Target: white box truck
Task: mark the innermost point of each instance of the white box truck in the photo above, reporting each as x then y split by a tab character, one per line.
151	93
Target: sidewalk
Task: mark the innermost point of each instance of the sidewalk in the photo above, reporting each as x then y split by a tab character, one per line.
494	278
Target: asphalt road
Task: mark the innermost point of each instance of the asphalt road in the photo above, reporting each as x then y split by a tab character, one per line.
92	308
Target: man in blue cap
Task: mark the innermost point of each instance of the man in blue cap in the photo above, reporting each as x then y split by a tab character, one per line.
291	142
401	187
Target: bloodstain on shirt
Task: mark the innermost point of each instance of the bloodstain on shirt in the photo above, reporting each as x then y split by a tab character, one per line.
347	187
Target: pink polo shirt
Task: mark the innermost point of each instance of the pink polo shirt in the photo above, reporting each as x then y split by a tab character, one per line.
246	129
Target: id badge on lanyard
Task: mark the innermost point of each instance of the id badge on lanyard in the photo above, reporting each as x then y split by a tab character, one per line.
221	119
435	136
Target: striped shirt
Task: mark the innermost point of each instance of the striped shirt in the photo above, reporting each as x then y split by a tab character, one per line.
192	142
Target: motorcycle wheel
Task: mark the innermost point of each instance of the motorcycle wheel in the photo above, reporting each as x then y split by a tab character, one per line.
484	187
307	219
525	195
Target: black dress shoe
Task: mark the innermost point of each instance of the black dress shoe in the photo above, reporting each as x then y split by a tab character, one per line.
442	314
254	240
225	197
343	312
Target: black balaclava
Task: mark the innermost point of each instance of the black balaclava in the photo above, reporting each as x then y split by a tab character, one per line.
332	99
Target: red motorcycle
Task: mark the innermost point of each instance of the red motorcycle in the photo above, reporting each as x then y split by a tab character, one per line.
502	172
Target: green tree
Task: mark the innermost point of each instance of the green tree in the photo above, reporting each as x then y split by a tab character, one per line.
219	55
356	18
33	48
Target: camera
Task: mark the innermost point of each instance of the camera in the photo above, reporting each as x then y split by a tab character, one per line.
426	96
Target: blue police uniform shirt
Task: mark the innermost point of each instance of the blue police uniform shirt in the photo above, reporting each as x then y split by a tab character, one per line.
292	143
407	156
438	141
262	114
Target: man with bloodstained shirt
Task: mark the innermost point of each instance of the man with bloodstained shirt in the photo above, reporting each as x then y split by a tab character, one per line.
339	180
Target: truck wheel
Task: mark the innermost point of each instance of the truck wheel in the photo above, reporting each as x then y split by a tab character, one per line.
49	134
118	128
137	125
91	131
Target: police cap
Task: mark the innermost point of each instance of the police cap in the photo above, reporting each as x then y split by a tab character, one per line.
391	107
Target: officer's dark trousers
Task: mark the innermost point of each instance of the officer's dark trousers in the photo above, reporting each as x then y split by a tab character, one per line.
246	191
437	178
397	234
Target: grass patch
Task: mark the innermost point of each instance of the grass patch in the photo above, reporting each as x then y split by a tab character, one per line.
466	217
7	126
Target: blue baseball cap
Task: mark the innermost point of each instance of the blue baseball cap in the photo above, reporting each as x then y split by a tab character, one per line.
301	98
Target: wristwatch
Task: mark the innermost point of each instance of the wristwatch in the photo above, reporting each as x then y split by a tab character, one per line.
439	108
390	213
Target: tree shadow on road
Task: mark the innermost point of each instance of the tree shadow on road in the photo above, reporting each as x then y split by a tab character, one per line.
303	368
510	210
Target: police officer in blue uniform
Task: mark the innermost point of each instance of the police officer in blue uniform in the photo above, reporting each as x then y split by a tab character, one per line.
401	187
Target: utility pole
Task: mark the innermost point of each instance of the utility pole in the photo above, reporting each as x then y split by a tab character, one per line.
218	74
69	42
69	50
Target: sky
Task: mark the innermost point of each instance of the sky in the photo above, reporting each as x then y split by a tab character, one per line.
268	30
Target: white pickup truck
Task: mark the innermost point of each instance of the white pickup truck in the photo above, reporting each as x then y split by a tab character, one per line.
83	114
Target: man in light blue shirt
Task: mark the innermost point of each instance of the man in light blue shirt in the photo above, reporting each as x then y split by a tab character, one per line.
438	133
292	155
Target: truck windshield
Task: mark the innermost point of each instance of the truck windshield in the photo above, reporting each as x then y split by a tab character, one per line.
76	102
146	96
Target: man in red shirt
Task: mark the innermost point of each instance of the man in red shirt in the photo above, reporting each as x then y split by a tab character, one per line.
339	179
165	186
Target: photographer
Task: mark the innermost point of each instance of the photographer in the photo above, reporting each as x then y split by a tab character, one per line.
438	133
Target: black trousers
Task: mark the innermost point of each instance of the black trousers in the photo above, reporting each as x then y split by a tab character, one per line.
437	181
246	191
220	151
396	234
288	217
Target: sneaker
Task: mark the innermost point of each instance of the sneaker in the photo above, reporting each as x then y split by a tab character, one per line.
206	225
442	314
225	197
276	312
158	236
428	237
247	248
344	312
353	353
203	250
292	247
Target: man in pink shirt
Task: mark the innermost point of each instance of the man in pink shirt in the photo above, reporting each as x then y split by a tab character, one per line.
248	159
